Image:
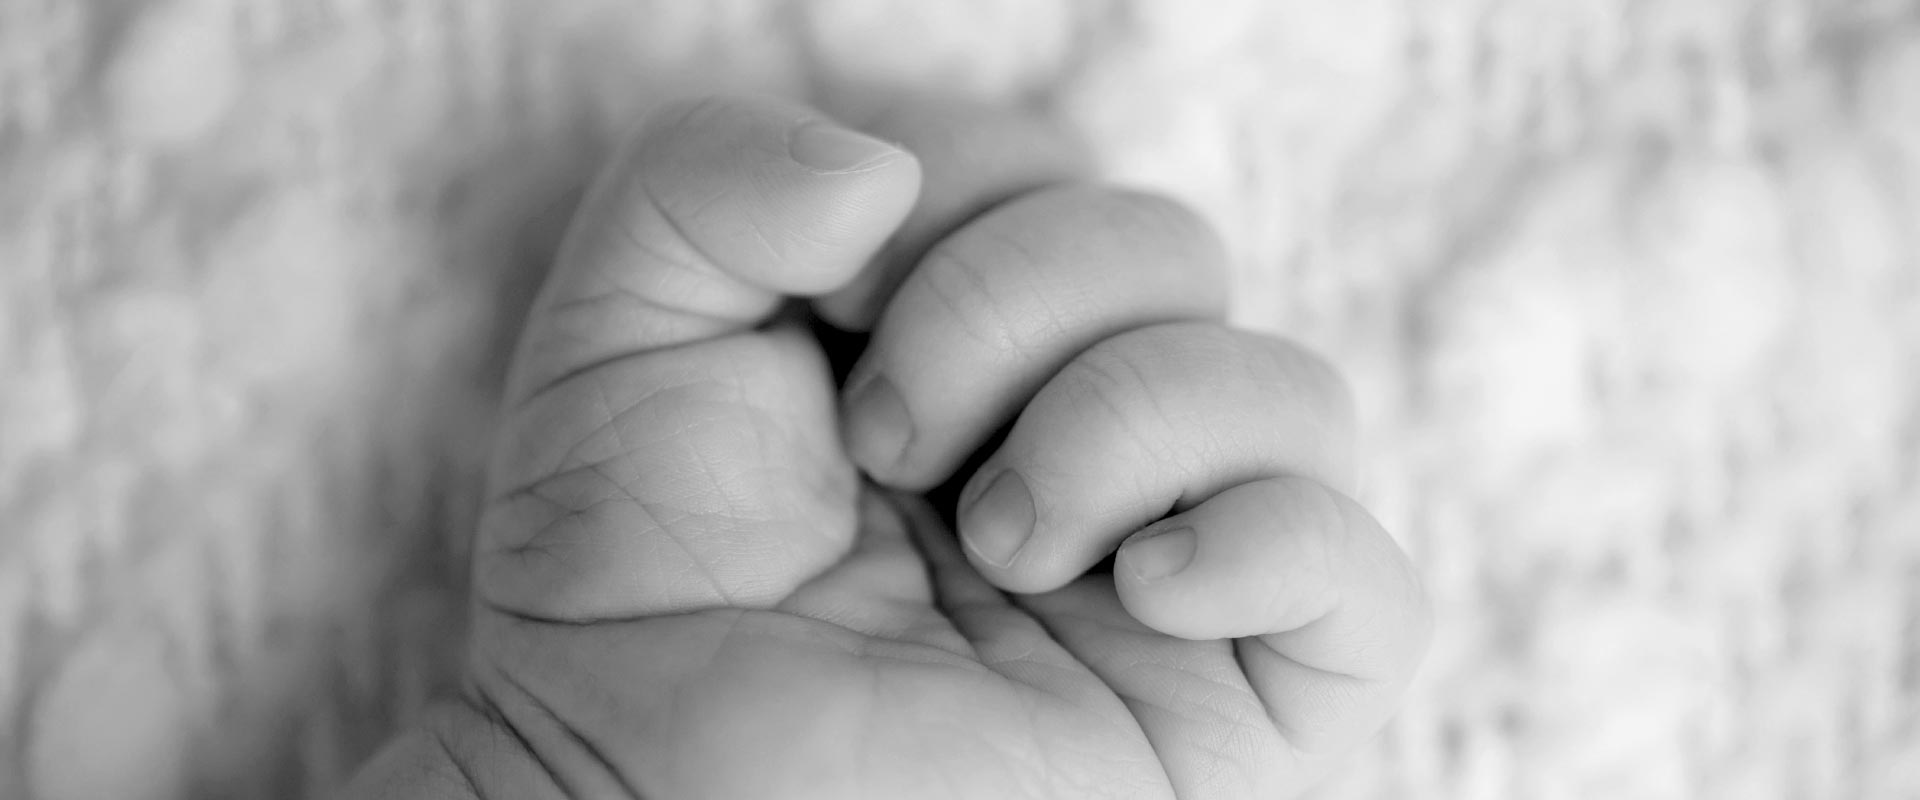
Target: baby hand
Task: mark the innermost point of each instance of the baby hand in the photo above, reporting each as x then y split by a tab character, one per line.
683	590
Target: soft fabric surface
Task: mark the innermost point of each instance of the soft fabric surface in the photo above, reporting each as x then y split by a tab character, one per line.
1628	289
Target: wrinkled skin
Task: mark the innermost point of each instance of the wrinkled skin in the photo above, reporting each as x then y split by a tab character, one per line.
686	588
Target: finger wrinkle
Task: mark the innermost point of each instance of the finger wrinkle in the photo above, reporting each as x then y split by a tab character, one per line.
591	748
682	234
497	713
965	290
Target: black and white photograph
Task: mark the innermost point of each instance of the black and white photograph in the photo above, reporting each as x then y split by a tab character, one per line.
960	399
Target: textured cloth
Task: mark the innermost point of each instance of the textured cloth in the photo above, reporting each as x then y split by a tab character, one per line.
1628	291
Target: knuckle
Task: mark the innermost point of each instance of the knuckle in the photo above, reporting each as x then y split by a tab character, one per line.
1208	389
1074	212
962	276
991	277
1114	387
648	208
1301	375
1178	246
1176	351
1108	371
1309	512
1001	279
1265	371
674	205
1157	229
1159	217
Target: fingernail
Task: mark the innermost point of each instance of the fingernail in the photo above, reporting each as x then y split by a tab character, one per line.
998	523
878	425
1161	554
831	148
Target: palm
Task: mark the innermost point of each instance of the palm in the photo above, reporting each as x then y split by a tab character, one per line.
896	672
892	669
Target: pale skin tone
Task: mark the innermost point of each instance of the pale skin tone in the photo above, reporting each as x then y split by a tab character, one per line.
705	570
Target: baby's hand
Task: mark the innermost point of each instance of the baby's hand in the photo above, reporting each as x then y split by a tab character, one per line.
683	590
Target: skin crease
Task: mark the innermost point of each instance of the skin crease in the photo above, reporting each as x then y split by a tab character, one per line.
687	587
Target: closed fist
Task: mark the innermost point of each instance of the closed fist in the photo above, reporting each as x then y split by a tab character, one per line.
706	571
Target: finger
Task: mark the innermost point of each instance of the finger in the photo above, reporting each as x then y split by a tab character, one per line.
1002	637
1004	303
974	156
1194	704
1141	424
1005	637
658	455
710	214
1338	617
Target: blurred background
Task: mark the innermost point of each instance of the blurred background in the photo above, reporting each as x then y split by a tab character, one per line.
1629	290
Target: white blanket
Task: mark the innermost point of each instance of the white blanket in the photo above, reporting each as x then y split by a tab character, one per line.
1628	290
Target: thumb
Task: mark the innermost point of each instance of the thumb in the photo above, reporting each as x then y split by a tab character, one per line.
659	454
700	224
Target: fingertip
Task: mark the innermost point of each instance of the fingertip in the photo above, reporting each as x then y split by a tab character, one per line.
998	523
1155	555
852	192
773	194
1256	563
1289	560
830	149
877	427
1151	575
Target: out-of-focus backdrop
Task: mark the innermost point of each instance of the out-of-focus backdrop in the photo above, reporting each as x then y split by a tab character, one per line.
1629	290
